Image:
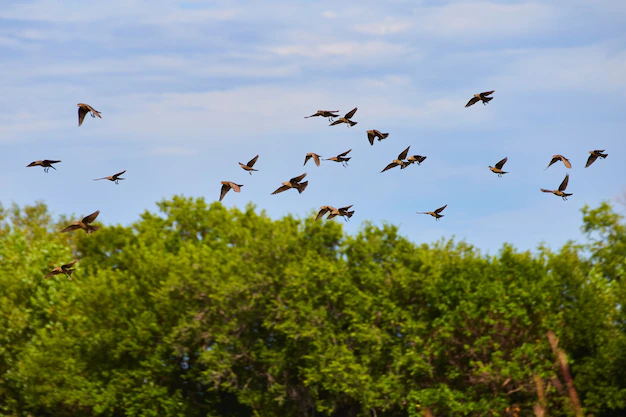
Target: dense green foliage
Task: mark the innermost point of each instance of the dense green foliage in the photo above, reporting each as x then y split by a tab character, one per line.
204	311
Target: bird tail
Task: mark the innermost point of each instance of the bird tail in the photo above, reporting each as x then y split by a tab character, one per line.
302	186
504	172
91	229
384	136
349	213
347	159
352	123
488	99
404	165
604	155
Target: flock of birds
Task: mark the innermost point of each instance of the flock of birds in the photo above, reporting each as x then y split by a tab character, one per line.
403	161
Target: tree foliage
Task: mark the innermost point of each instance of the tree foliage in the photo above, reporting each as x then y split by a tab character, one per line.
203	311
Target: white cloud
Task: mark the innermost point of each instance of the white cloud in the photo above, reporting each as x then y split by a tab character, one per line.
386	27
352	50
329	14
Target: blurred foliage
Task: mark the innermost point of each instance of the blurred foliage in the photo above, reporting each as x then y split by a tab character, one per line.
203	311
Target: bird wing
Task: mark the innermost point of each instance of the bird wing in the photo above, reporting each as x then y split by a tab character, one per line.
313	115
82	112
281	189
103	178
487	93
236	187
391	165
34	164
252	161
565	161
500	164
94	111
351	113
119	173
50	161
344	209
70	228
91	217
592	158
473	101
68	266
336	122
322	212
224	190
298	178
545	191
345	153
316	159
306	159
370	136
563	185
404	153
52	273
440	209
553	160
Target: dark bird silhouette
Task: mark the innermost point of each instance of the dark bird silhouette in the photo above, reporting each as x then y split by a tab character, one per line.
227	186
115	177
324	210
83	109
435	213
346	119
376	134
413	159
63	269
345	212
556	158
316	158
84	224
329	114
399	161
45	163
595	155
480	97
249	165
498	168
561	191
293	183
341	158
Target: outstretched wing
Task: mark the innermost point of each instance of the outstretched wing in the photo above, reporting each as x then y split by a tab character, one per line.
68	266
545	191
281	189
313	115
70	228
351	113
592	158
336	122
298	178
322	212
565	161
563	185
82	112
370	136
119	173
440	209
224	190
316	159
391	165
473	101
50	161
345	153
404	153
553	160
253	161
52	273
500	164
91	217
487	93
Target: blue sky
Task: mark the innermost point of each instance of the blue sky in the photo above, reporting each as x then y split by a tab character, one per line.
189	88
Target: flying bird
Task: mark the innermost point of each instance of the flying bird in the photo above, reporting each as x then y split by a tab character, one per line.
83	109
346	119
227	186
556	158
249	165
376	134
115	177
595	155
63	269
84	224
329	114
324	210
316	158
498	168
561	191
45	163
293	183
413	159
435	213
399	161
480	97
341	158
345	213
